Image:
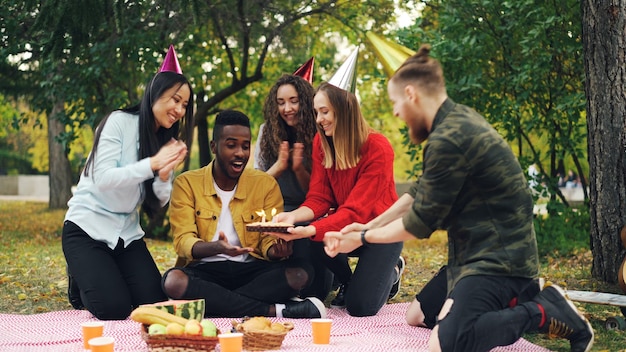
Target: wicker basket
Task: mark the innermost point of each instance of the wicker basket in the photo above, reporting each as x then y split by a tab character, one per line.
178	343
262	340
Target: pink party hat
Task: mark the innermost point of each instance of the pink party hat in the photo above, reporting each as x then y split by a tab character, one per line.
345	77
306	70
171	62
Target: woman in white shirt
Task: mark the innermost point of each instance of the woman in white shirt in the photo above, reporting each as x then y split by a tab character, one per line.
130	165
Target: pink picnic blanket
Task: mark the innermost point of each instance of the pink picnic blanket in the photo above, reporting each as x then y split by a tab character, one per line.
387	331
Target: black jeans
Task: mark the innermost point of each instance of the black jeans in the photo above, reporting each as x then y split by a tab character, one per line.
112	282
321	284
236	289
481	317
371	281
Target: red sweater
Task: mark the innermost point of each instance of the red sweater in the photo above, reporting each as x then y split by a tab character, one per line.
358	194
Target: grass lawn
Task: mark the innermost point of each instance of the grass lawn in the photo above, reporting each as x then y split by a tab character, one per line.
32	271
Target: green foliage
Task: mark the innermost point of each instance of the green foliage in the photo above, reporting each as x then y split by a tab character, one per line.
155	229
17	136
261	40
97	64
564	230
519	63
414	152
93	64
15	164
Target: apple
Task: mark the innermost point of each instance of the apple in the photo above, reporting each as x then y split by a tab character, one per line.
193	327
156	329
208	328
174	329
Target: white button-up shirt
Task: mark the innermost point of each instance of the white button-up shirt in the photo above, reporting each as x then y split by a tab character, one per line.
106	203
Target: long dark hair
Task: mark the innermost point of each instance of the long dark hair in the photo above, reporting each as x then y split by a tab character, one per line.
150	141
275	130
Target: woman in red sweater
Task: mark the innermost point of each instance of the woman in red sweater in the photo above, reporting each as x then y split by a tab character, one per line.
351	181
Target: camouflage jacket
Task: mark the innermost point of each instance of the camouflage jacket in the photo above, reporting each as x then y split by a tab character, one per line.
473	187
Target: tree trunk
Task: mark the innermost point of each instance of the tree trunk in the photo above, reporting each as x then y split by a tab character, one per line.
603	28
204	149
60	173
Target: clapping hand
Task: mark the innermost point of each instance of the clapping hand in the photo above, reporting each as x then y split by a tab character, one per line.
168	157
297	156
283	156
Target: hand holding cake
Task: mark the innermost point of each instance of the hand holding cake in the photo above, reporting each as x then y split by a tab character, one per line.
267	227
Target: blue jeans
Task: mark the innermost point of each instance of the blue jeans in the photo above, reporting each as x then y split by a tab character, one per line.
112	282
481	317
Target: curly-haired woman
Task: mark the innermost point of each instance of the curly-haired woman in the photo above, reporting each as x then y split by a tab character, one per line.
283	150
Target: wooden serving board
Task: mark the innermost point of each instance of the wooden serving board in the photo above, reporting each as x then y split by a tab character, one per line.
597	297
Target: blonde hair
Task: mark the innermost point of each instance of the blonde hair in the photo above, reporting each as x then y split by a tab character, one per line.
343	149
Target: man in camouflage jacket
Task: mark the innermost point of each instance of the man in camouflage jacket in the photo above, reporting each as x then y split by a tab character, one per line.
473	187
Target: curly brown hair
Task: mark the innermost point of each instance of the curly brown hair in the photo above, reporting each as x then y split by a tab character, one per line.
275	129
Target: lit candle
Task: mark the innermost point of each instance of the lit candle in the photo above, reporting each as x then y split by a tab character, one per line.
273	213
261	214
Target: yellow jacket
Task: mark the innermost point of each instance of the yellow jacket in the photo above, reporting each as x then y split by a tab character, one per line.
195	208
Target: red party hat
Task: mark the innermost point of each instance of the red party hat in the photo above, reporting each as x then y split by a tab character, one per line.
306	70
171	62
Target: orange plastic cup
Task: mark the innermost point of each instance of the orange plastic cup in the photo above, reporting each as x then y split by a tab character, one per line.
101	344
91	329
231	342
321	331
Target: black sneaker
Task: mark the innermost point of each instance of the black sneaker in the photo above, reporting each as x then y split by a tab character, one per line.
340	298
73	292
310	307
562	319
395	288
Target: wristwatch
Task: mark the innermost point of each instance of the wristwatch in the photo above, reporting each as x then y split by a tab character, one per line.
363	240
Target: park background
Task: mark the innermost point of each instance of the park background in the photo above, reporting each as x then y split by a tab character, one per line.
530	67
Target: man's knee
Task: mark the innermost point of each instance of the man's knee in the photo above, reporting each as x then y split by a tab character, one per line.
297	278
445	335
361	310
113	308
445	309
175	283
414	314
433	341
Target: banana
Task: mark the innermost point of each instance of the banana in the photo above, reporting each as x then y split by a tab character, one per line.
151	315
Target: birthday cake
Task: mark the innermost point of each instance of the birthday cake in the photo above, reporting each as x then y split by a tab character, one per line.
269	227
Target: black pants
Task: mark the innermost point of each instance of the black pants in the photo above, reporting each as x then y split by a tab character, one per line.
371	281
481	317
321	284
235	289
112	282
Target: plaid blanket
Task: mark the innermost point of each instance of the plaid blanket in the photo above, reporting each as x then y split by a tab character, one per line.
387	331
